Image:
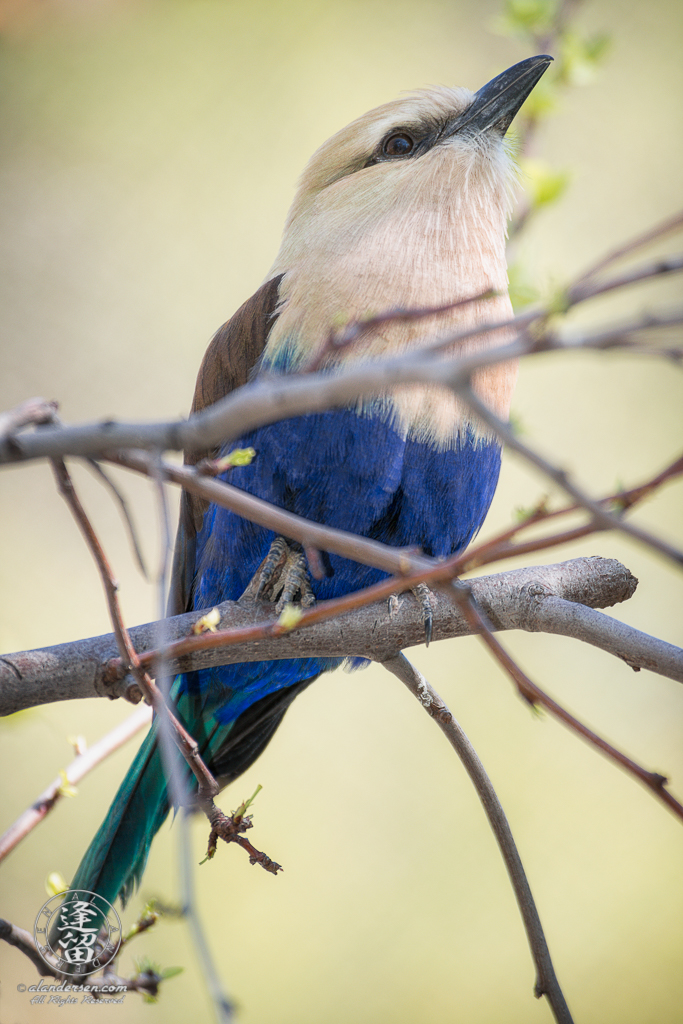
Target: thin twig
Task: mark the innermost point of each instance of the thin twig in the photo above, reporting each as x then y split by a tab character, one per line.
77	770
206	783
604	518
620	336
583	290
308	533
91	668
528	124
223	1006
24	941
355	330
534	695
661	230
498	548
368	552
146	982
546	979
230	829
32	412
95	466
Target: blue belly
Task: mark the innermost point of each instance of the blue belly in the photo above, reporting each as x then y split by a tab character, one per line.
351	472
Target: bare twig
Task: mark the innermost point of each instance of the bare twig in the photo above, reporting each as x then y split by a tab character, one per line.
170	728
24	941
584	289
368	552
205	780
270	399
603	518
125	512
534	695
178	788
147	982
499	547
307	532
621	336
356	330
77	770
32	412
546	980
231	830
661	230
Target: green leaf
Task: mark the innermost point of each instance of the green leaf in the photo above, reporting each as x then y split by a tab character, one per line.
237	457
579	58
542	100
525	17
290	617
171	972
145	965
544	184
522	291
244	806
558	302
516	424
55	883
521	515
66	788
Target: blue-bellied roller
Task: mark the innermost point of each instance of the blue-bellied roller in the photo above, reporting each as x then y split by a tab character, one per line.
405	207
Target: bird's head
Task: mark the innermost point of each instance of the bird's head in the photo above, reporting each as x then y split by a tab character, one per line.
433	158
406	207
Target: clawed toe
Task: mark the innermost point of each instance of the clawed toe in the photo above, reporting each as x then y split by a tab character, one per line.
282	577
271	568
296	579
424	596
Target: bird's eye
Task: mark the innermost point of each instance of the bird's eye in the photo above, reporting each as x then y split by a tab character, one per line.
399	144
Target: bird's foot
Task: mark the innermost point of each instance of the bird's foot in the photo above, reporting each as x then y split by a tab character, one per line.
282	576
424	596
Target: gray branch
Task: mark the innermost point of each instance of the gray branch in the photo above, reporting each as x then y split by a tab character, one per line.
546	979
558	598
266	400
273	398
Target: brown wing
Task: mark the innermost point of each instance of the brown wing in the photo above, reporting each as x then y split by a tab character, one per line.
231	356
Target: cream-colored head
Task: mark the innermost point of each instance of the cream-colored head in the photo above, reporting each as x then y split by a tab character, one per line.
405	207
350	193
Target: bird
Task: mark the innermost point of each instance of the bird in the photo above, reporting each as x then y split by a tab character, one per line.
406	207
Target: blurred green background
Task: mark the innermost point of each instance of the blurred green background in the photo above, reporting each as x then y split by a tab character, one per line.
149	153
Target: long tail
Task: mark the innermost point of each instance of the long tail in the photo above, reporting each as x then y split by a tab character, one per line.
115	860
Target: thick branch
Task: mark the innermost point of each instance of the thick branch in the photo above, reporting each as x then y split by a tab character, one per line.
511	600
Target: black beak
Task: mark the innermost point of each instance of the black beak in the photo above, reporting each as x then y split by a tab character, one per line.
497	102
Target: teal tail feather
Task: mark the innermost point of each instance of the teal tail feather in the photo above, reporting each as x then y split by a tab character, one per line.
115	860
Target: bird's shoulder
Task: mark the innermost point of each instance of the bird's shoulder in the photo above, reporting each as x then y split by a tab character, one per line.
233	352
